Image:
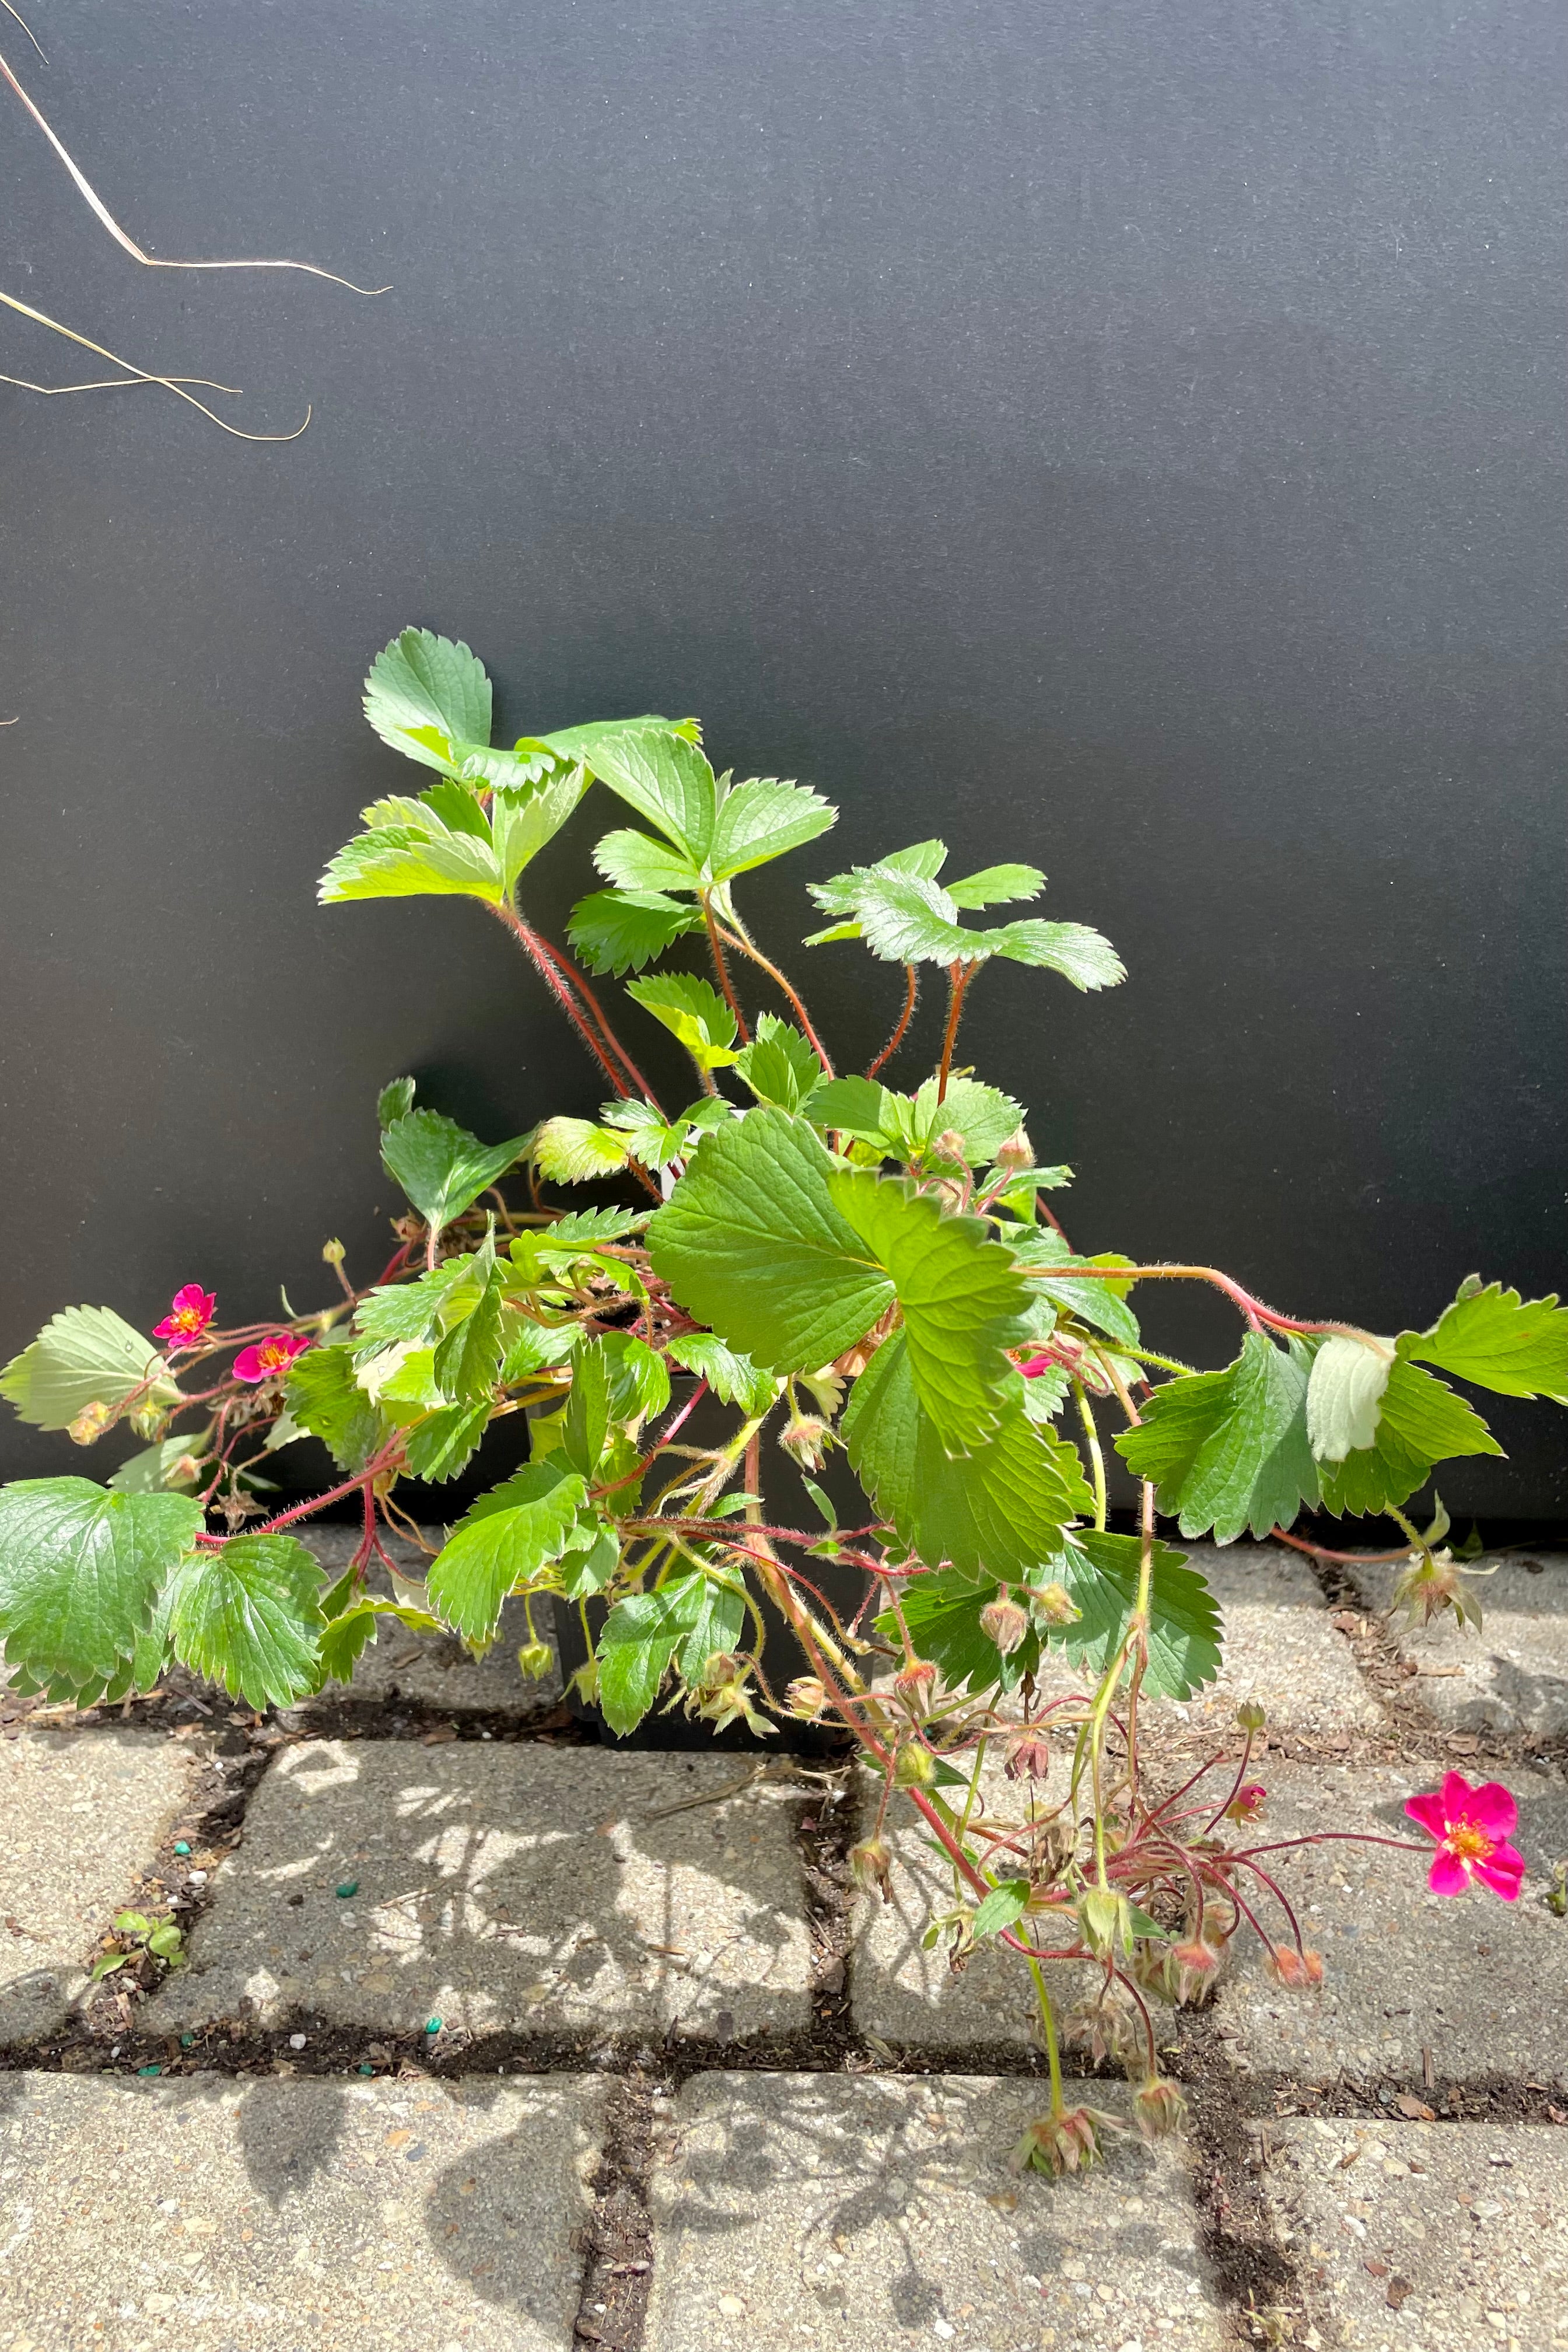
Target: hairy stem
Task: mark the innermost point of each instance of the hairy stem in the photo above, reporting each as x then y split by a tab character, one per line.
722	966
959	976
748	946
1086	1415
911	991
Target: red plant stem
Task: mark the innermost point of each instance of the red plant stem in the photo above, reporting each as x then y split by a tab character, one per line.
1279	1894
722	969
911	990
959	975
563	986
745	947
575	978
365	1478
640	1469
1253	1309
1345	1558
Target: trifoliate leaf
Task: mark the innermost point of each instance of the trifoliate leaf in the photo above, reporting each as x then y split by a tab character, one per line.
1228	1450
666	778
83	1356
441	1166
1184	1630
961	1297
1344	1396
1002	1508
81	1571
421	683
734	1378
693	1011
250	1617
425	858
504	1539
751	1245
621	930
906	917
575	1151
1514	1347
641	1636
778	1064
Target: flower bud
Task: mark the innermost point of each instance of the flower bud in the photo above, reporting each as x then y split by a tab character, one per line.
1105	1922
1027	1754
1160	2109
1069	2142
720	1667
916	1767
806	1697
1250	1716
185	1472
950	1145
90	1424
1016	1154
1053	1605
1004	1622
535	1660
914	1682
870	1863
332	1252
806	1440
1247	1804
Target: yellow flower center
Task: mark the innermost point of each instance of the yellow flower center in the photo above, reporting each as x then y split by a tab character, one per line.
1468	1844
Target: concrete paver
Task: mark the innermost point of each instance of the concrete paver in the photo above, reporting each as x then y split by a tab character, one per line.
80	1814
502	1885
793	2210
1281	1645
1426	2238
1475	1981
285	2213
434	1669
1511	1675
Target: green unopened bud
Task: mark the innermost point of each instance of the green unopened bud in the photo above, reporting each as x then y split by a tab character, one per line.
1105	1921
90	1424
950	1145
1053	1605
721	1668
806	1440
332	1252
806	1697
1250	1716
916	1767
1016	1154
535	1659
914	1682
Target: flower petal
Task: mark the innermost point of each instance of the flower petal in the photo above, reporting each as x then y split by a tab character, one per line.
1492	1809
1427	1809
1447	1875
1503	1871
1457	1795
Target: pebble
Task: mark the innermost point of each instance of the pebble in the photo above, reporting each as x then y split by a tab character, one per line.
296	2042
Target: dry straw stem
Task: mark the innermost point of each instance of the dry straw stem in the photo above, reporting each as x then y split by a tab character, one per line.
128	245
135	375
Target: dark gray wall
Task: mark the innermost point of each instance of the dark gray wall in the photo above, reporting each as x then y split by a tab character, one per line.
1125	436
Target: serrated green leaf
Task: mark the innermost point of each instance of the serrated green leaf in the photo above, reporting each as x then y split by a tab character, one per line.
523	822
1003	1509
81	1571
961	1296
720	1625
441	1166
395	1101
621	930
588	1228
691	1009
1228	1450
1184	1630
751	1243
323	1397
1101	1305
575	1151
250	1617
733	1377
666	778
83	1356
762	820
1079	954
1420	1423
851	1106
445	1444
342	1643
422	860
408	1313
635	861
778	1064
996	886
639	1641
1514	1347
423	682
587	1423
1344	1396
1006	1904
469	1359
505	1538
905	916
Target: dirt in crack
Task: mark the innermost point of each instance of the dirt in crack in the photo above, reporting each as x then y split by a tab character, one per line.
618	2240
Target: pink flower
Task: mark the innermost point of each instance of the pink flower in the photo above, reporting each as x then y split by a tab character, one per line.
190	1311
269	1356
1033	1366
1472	1827
1247	1804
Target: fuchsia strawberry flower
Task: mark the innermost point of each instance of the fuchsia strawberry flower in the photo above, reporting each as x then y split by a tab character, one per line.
269	1356
1472	1827
190	1312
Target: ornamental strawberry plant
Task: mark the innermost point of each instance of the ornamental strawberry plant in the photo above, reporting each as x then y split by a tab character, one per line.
838	1264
